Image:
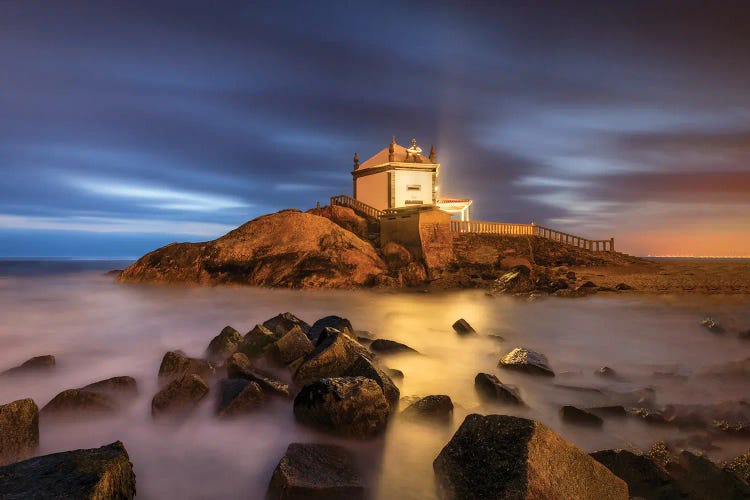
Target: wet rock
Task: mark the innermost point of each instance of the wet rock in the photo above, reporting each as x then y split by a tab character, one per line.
572	415
571	293
384	346
35	364
19	430
646	478
489	388
394	374
238	366
239	397
528	361
363	367
281	324
516	280
608	411
570	275
623	286
118	388
607	372
310	471
98	473
499	456
332	357
256	341
436	408
336	322
740	465
293	345
698	477
175	364
223	345
651	416
352	407
180	397
79	402
462	327
712	325
588	284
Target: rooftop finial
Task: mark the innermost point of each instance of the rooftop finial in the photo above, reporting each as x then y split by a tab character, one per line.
392	149
433	154
356	160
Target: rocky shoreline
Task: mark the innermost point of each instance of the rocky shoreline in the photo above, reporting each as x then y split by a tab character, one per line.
338	381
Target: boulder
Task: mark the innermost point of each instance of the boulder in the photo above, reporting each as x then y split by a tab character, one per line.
363	367
645	477
462	327
623	287
384	346
712	325
282	323
239	397
489	388
288	249
332	357
607	372
346	218
293	345
499	456
393	373
396	256
77	402
118	388
316	471
19	430
528	361
180	397
516	280
572	415
588	284
437	408
352	407
238	366
35	364
256	341
175	364
98	473
608	411
740	465
336	322
698	477
223	345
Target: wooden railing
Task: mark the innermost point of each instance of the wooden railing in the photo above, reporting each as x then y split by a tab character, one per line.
343	200
458	226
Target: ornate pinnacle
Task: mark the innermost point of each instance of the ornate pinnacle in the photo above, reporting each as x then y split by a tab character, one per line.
392	149
433	154
356	160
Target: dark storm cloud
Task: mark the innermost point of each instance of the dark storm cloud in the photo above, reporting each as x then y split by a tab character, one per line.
187	117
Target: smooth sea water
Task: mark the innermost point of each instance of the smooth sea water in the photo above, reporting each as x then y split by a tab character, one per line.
97	329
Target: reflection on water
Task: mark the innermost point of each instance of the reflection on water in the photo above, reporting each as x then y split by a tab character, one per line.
98	329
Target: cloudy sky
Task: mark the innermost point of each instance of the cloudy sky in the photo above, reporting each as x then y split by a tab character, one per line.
127	125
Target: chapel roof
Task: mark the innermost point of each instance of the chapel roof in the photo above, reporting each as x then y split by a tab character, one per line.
400	154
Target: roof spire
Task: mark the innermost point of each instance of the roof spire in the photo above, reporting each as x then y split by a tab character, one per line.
392	149
356	160
433	154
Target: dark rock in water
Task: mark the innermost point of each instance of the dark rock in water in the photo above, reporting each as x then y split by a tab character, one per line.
96	474
571	293
698	477
282	323
462	327
608	411
712	325
572	415
352	407
175	364
316	471
623	287
78	402
651	416
489	388
239	397
120	388
180	397
516	280
224	344
437	408
114	272
256	341
526	360
384	346
394	373
293	345
607	372
580	388
336	322
332	357
363	367
645	477
19	431
238	366
740	465
35	364
499	456
587	284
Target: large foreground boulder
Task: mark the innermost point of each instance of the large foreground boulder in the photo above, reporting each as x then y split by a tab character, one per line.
35	364
316	471
175	364
332	357
223	345
95	474
180	397
19	431
255	342
346	406
287	249
528	361
76	402
119	388
499	456
645	477
293	345
238	397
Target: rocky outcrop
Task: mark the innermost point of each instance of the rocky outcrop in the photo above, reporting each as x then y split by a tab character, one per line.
94	474
175	364
489	388
316	471
437	408
256	340
180	397
352	407
19	431
528	361
332	357
347	219
336	322
287	249
282	323
35	364
223	345
363	367
499	456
